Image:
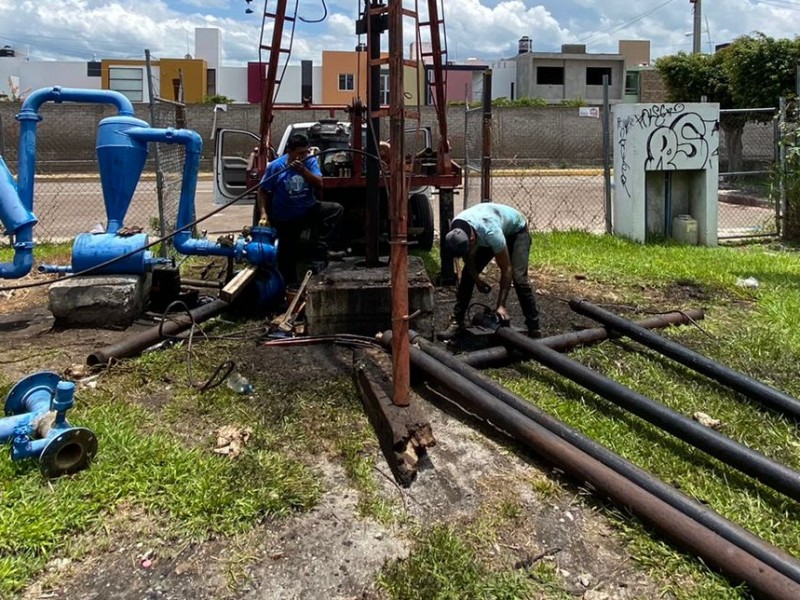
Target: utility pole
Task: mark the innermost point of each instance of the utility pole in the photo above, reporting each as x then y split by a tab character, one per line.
696	29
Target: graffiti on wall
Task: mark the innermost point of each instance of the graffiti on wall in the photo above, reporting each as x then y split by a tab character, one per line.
675	138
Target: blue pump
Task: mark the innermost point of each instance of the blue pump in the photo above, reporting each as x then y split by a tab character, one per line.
122	148
36	424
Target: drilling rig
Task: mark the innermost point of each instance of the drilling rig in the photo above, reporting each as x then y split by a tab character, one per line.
354	176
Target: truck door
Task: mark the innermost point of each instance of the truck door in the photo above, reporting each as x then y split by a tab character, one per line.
232	149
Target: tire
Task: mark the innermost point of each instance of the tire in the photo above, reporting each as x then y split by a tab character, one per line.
420	214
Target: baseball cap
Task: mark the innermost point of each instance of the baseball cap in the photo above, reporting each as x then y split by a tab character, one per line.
457	242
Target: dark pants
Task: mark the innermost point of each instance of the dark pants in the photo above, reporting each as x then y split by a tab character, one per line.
323	221
519	249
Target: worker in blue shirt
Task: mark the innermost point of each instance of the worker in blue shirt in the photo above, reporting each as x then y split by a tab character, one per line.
287	201
478	234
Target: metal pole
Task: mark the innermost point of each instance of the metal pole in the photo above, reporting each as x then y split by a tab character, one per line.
697	26
133	345
398	201
780	209
371	251
607	153
684	531
771	555
500	355
486	142
162	225
738	456
775	399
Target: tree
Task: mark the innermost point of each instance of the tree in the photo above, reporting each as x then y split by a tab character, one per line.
753	71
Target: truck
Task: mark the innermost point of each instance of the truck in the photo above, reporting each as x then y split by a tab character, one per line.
232	156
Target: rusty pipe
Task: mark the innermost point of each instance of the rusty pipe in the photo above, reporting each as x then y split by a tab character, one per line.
767	553
714	550
775	399
738	456
500	355
134	344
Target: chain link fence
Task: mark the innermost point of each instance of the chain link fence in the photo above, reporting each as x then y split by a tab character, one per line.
748	154
473	153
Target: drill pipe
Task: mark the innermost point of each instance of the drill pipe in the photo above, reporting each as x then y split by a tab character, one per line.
133	345
771	473
775	399
767	553
500	355
714	550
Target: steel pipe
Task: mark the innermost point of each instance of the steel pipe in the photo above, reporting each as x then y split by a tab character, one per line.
770	555
135	344
710	547
775	399
500	355
773	474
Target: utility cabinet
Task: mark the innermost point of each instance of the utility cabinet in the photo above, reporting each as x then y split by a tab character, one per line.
666	164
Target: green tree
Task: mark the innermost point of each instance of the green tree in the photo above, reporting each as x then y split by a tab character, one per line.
754	71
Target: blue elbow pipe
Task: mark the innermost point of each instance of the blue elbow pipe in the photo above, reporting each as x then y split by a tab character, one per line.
18	222
191	140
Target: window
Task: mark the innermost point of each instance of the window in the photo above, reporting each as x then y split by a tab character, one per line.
93	68
346	82
594	75
384	88
127	81
550	75
632	83
211	82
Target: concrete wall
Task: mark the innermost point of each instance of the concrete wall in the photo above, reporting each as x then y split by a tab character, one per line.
39	74
553	136
574	85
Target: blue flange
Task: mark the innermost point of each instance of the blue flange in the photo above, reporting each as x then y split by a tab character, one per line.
41	381
68	452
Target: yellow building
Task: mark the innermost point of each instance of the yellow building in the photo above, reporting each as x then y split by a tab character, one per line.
129	77
344	77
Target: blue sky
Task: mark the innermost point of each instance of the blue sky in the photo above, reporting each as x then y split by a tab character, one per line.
81	29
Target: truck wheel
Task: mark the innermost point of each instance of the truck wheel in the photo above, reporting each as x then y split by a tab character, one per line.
420	214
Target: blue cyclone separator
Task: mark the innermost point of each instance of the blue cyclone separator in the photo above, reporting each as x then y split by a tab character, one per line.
37	427
16	199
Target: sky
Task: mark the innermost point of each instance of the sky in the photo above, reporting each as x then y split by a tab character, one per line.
482	29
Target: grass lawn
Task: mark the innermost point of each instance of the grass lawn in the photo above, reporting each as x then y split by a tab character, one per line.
155	457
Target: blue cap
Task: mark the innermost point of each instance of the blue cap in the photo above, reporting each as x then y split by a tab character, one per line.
457	242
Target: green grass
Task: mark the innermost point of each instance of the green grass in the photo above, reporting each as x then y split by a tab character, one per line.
753	331
155	439
43	253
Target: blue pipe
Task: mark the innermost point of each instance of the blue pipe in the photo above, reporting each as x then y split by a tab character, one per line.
183	240
19	222
29	118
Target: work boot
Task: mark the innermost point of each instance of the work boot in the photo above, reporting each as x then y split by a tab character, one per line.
454	329
535	334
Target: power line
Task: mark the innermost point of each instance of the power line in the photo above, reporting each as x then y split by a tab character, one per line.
599	35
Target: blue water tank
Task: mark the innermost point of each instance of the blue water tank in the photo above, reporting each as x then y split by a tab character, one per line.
90	250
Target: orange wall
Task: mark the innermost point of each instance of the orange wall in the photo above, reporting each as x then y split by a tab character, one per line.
341	62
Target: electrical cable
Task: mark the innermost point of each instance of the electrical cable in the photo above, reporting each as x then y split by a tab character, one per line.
321	19
599	35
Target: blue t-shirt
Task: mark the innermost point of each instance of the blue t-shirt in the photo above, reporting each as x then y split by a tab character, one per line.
492	223
292	195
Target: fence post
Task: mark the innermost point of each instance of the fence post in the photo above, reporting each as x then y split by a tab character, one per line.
162	225
780	206
466	151
486	132
607	154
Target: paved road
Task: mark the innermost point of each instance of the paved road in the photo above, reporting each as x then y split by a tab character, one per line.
68	207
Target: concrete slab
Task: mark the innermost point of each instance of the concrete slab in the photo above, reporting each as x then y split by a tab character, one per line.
104	301
348	298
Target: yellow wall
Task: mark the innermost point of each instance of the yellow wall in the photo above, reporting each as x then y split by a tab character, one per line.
194	71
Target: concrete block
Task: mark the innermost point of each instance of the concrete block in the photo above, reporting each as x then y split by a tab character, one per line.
348	298
99	301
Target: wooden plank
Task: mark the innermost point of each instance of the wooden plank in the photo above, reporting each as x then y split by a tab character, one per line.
236	285
403	432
